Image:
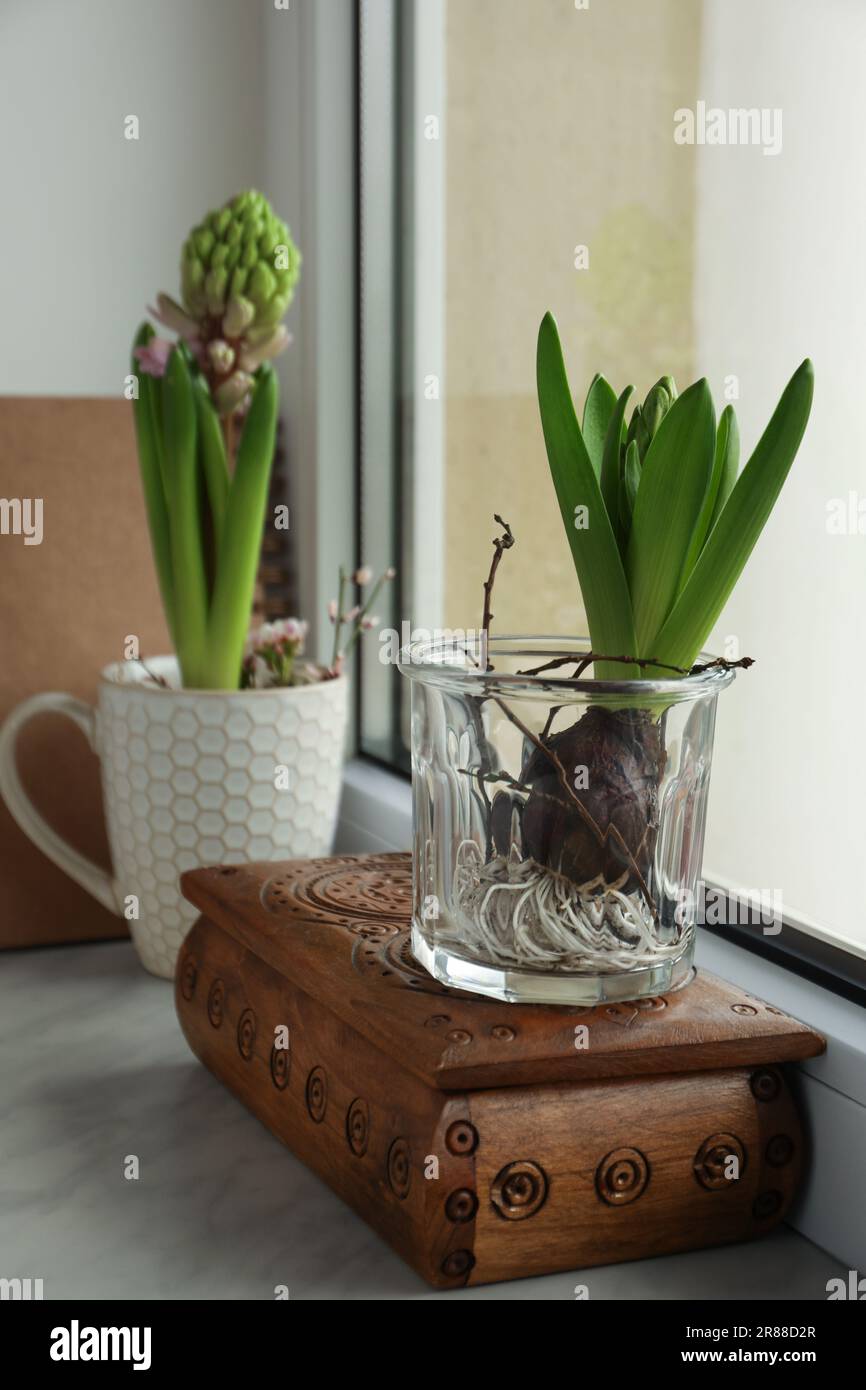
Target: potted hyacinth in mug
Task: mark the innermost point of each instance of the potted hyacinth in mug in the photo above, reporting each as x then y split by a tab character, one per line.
560	784
230	749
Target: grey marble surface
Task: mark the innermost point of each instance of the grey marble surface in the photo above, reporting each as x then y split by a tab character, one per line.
93	1068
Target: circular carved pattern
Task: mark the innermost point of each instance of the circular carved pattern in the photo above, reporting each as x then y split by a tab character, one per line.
280	1066
437	1021
216	1003
355	892
461	1205
460	1036
188	977
399	1168
767	1204
621	1176
518	1190
388	954
779	1150
372	931
652	1005
457	1263
358	1126
743	1009
711	1161
502	1033
626	1012
765	1085
317	1094
246	1034
461	1138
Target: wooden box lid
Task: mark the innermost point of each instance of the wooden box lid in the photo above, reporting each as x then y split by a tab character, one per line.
338	929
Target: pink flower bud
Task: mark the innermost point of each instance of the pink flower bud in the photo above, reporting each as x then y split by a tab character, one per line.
153	357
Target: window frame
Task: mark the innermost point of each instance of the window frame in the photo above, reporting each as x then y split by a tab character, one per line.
800	973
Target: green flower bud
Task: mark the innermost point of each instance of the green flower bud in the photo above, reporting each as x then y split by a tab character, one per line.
232	392
192	287
221	355
237	284
265	348
655	408
239	313
647	417
261	285
203	240
240	254
215	290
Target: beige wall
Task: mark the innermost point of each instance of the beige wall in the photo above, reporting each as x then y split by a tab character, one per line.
543	102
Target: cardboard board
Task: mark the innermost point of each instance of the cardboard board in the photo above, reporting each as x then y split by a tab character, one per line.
66	606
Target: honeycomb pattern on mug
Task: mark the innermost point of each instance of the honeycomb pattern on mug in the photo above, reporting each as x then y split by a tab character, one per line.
191	780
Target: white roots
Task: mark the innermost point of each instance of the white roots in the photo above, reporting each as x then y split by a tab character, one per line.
514	912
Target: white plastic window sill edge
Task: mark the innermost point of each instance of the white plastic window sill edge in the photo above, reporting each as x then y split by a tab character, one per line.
376	816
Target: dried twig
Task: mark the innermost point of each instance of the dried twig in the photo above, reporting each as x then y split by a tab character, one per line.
581	663
500	544
721	663
157	680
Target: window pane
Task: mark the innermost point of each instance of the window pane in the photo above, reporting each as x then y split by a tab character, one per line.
563	188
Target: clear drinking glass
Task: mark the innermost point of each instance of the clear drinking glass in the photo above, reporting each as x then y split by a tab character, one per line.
558	821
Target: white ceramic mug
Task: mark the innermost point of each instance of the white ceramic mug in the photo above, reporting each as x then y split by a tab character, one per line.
190	777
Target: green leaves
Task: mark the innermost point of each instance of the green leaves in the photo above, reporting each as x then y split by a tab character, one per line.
674	479
600	405
722	479
182	497
586	521
728	448
149	440
740	523
238	555
213	457
191	501
665	495
610	464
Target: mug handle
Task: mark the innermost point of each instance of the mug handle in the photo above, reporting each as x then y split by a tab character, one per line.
89	875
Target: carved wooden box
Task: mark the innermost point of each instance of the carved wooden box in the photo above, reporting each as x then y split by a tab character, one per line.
484	1141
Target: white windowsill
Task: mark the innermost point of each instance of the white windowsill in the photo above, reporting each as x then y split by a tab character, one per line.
376	815
375	811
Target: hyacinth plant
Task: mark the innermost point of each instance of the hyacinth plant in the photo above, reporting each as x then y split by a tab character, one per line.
660	526
205	419
659	523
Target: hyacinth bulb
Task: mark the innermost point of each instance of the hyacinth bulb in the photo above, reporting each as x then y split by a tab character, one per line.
613	761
